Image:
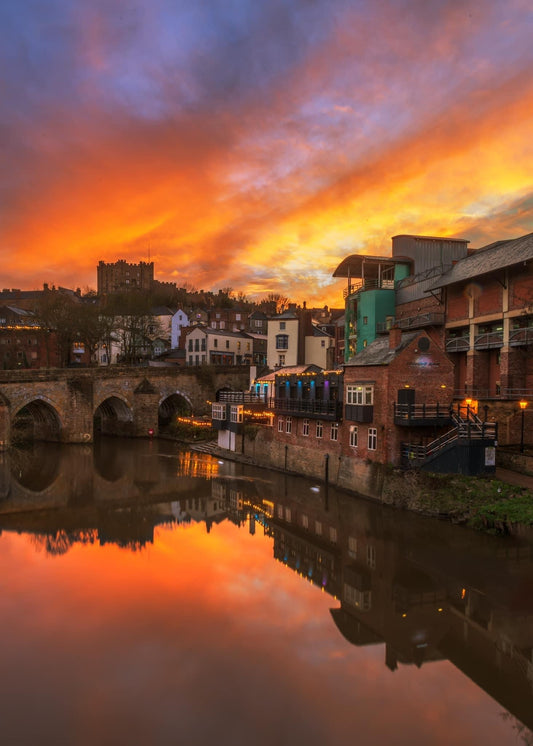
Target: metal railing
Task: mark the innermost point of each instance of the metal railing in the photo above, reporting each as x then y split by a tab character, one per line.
416	413
368	285
468	428
306	406
432	318
242	397
488	340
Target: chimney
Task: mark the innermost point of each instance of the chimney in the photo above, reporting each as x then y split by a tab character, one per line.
395	337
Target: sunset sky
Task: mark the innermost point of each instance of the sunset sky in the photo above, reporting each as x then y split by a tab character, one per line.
255	143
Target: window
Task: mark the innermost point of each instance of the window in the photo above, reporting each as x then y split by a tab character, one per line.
305	521
288	514
215	343
318	528
218	411
305	427
203	344
352	547
288	425
190	345
353	436
236	413
281	361
222	325
319	428
196	345
332	534
282	342
280	424
322	342
227	344
282	325
280	511
237	317
371	556
372	438
334	434
359	394
365	320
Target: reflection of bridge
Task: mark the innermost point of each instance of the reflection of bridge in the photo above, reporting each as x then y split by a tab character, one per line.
68	405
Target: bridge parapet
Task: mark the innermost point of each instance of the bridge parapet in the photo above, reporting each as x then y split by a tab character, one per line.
74	395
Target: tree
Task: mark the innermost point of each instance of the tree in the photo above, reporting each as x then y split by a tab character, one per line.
135	325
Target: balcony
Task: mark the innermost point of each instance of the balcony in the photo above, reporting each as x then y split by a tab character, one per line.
412	322
359	287
458	344
326	410
359	412
488	340
421	415
520	337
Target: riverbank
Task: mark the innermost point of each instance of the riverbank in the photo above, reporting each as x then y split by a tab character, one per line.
500	504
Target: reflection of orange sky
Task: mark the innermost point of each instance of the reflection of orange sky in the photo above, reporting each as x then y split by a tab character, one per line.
207	635
268	193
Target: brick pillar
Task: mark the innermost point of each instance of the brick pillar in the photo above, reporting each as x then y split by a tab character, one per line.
78	425
5	426
145	410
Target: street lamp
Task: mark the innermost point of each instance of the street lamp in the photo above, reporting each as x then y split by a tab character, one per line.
522	404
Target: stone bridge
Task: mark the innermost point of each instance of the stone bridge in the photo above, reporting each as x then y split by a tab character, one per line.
70	405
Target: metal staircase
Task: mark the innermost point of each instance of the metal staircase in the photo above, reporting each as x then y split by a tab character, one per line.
468	435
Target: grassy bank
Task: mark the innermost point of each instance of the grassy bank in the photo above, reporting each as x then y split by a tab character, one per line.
484	504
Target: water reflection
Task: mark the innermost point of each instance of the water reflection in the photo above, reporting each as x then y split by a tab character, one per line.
423	591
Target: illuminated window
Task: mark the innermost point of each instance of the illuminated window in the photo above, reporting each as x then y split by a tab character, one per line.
218	411
360	394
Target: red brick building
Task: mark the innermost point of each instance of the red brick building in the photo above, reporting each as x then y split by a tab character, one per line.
409	369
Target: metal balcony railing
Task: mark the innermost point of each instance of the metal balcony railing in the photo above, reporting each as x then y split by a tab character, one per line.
368	285
421	414
311	407
458	344
412	322
488	340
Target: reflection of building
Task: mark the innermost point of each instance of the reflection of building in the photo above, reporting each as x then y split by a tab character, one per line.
423	590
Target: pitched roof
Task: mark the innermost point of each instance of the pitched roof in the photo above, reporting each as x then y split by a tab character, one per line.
378	352
290	370
496	256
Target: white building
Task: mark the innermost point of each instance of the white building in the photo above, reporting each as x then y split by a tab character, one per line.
179	321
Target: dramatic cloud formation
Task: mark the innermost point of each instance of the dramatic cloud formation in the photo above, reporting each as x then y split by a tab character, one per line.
255	144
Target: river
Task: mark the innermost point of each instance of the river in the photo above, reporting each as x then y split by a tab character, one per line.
153	595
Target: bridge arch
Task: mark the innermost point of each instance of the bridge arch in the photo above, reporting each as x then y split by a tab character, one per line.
37	419
113	416
173	404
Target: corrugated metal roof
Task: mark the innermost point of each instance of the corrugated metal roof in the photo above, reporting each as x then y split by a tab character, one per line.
492	258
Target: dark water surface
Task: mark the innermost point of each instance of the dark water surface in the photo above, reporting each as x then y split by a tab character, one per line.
150	595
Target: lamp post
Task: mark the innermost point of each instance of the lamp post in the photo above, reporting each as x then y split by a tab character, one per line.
523	404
